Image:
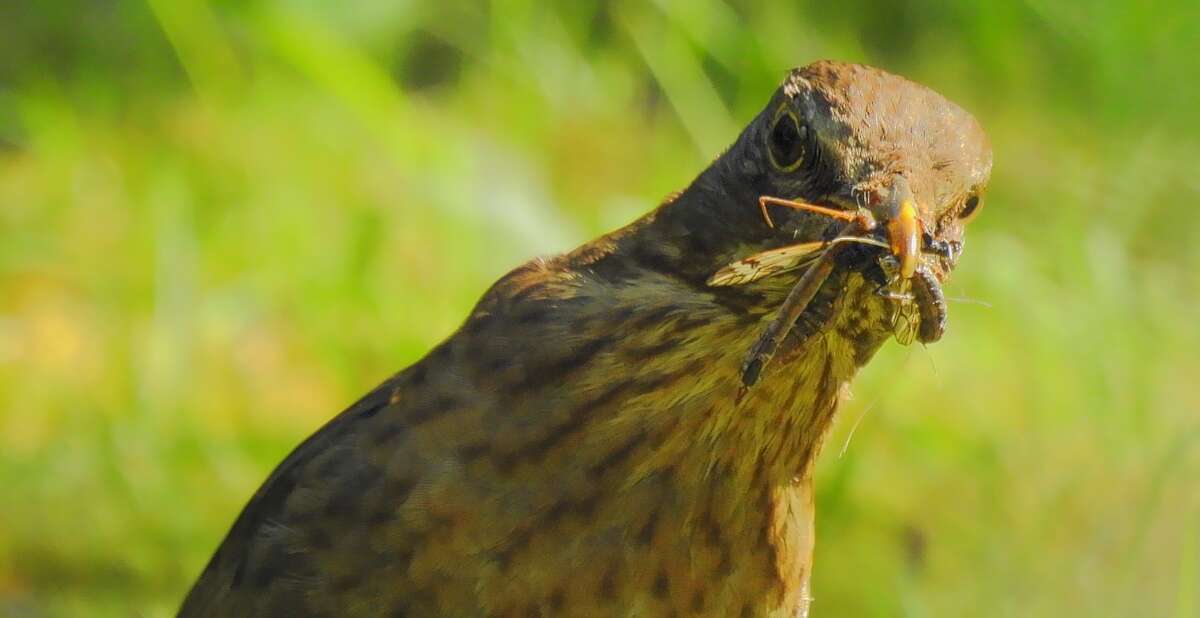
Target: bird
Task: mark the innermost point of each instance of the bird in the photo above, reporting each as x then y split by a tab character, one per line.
587	442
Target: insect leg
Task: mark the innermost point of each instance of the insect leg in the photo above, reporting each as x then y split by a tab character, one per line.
794	305
947	249
778	201
885	291
893	287
797	300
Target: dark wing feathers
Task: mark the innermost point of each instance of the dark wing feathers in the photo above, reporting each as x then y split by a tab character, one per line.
264	547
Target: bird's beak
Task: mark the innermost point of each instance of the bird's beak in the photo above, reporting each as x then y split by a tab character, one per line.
903	225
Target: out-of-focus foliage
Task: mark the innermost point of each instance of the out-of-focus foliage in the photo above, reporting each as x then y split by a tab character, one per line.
222	221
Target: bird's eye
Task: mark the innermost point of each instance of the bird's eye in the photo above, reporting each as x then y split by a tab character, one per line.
786	142
970	207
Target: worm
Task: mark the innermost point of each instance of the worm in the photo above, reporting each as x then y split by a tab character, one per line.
931	303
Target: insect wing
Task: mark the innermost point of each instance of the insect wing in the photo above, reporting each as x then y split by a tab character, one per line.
906	322
765	264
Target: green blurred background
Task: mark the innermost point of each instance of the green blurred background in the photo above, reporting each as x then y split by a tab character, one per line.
221	222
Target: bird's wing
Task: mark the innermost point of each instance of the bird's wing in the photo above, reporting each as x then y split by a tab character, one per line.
271	547
379	507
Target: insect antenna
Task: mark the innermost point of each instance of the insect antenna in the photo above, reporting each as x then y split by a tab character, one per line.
884	389
969	301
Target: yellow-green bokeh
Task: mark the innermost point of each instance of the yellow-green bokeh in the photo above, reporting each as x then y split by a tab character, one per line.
221	222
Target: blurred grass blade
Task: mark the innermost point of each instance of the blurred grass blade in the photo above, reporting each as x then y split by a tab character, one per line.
345	71
195	33
678	71
1189	575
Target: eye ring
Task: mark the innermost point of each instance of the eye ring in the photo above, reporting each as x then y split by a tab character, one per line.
970	207
786	141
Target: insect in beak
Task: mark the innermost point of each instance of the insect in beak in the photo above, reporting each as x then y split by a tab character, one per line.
902	235
921	312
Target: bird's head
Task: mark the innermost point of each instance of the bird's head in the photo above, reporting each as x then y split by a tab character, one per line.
853	137
859	144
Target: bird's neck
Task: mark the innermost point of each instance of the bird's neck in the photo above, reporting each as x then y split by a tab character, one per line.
693	233
773	432
658	266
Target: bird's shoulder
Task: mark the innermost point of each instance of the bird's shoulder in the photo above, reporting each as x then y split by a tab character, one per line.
331	497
